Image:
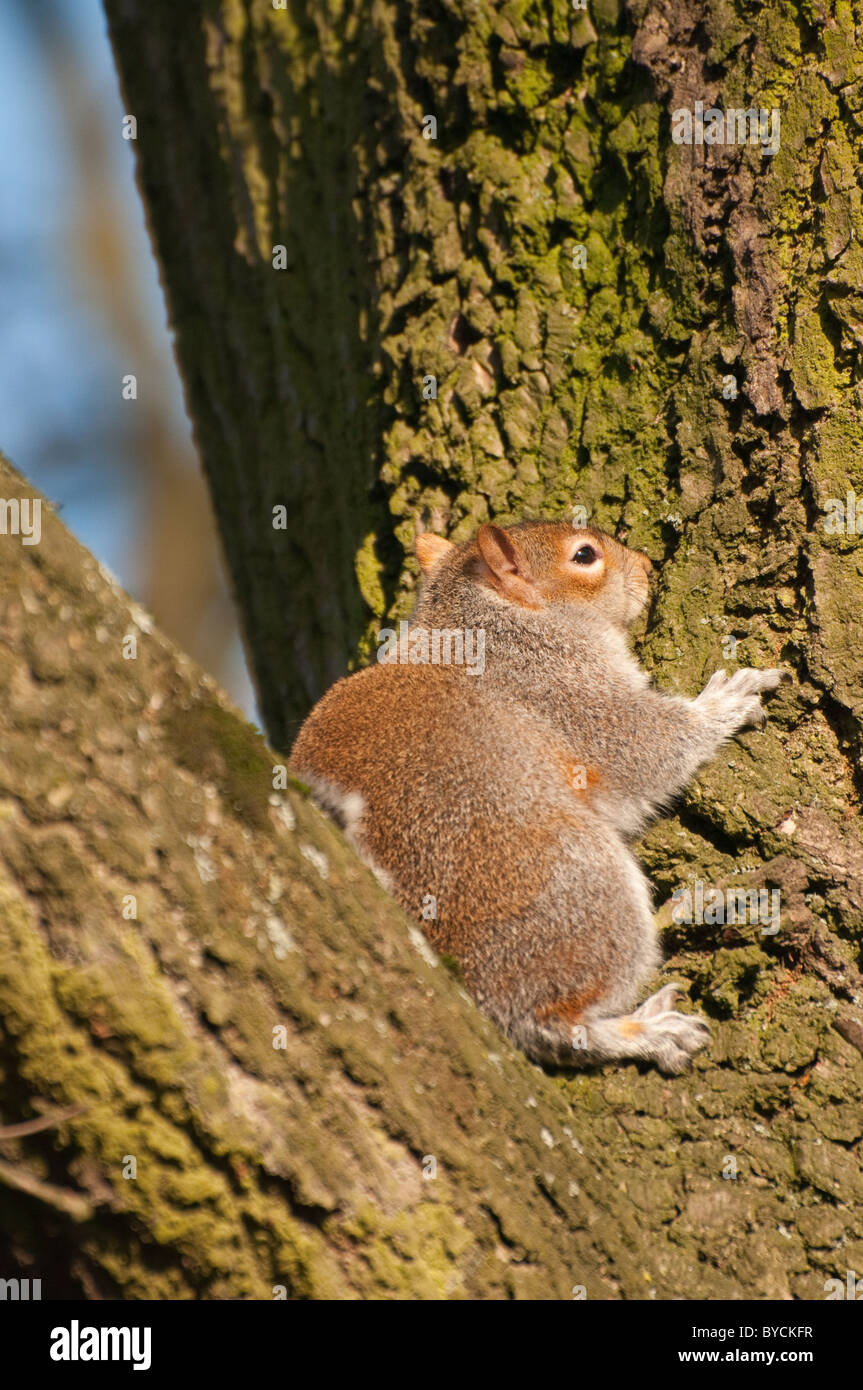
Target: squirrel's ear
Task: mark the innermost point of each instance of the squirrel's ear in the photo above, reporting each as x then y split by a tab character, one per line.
500	552
430	549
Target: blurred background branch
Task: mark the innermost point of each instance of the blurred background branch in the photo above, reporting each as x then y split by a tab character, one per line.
84	309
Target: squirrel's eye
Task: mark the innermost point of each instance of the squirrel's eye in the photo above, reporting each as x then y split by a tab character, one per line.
585	555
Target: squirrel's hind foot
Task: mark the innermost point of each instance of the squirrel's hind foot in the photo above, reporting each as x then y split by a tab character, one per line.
655	1032
672	1040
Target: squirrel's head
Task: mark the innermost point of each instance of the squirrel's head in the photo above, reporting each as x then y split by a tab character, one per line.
541	564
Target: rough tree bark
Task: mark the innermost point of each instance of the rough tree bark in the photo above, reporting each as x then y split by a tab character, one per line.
605	385
162	912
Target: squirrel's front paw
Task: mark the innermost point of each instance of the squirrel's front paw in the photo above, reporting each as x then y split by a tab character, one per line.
734	701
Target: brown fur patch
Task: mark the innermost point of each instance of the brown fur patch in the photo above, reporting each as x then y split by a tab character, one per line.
516	862
430	549
349	740
579	776
570	1009
629	1028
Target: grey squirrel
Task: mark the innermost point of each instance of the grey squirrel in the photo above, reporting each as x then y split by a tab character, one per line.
507	800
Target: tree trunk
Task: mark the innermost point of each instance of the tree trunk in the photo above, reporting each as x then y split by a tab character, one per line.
691	379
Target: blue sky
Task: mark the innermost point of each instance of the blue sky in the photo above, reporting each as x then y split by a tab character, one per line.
56	363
